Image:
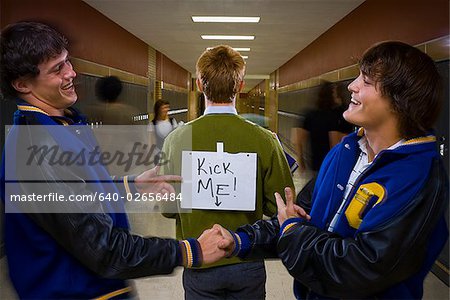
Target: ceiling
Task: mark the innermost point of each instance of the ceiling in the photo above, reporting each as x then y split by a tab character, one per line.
285	28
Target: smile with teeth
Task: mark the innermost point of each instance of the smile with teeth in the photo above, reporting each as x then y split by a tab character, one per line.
355	102
67	86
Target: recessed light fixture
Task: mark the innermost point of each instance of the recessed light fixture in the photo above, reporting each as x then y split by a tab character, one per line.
228	37
223	19
242	49
237	49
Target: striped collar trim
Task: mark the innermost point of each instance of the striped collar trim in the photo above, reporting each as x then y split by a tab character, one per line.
413	141
360	131
36	109
420	140
31	108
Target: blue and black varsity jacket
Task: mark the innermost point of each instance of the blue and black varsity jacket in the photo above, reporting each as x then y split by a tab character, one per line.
73	255
383	245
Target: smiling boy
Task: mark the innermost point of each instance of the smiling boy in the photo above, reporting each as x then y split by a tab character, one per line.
87	252
376	219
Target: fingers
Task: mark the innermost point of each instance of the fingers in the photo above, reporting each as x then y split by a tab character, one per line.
218	227
209	243
161	188
156	169
289	198
207	233
280	203
227	243
167	189
152	176
168	178
301	212
289	209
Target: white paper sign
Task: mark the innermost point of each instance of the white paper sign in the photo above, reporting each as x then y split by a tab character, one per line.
218	180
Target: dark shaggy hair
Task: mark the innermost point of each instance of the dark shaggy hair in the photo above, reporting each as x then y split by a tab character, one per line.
23	46
409	78
157	107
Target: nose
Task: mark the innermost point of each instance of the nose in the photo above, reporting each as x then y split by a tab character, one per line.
74	73
352	87
70	73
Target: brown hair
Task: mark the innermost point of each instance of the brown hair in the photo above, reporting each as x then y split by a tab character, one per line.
157	107
221	70
23	46
409	78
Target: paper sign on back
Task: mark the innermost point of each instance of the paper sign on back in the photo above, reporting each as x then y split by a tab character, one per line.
218	180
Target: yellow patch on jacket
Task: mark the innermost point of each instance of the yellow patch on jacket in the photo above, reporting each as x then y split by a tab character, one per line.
358	205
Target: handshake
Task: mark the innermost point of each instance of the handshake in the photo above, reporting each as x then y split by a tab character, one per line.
219	242
216	243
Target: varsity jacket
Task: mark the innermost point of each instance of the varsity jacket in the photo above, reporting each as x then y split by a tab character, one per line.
384	244
237	135
75	254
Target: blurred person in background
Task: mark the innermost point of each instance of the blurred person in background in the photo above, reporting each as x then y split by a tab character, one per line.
321	128
162	124
112	110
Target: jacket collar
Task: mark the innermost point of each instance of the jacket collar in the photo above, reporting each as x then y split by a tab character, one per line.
71	115
429	138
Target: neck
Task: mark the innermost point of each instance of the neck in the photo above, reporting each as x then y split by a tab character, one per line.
210	103
378	141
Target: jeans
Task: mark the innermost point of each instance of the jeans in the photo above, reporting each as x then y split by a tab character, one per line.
239	281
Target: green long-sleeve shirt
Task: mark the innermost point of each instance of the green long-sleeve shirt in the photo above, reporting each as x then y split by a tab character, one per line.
237	135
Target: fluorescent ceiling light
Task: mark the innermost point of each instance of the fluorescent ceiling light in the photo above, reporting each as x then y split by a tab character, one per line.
237	49
242	49
244	56
211	19
228	37
256	76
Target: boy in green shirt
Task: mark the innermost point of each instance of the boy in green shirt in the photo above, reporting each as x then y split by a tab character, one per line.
220	73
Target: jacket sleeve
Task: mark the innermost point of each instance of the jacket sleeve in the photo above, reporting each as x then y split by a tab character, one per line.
372	261
110	251
86	231
263	235
277	176
304	198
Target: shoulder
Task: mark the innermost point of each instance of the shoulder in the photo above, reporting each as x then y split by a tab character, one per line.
180	132
260	133
31	118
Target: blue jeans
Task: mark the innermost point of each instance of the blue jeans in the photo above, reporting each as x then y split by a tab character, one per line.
239	281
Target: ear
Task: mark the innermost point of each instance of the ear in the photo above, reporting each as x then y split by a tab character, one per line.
22	85
199	85
241	86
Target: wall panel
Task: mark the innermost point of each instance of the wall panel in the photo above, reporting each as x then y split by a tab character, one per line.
413	22
92	36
